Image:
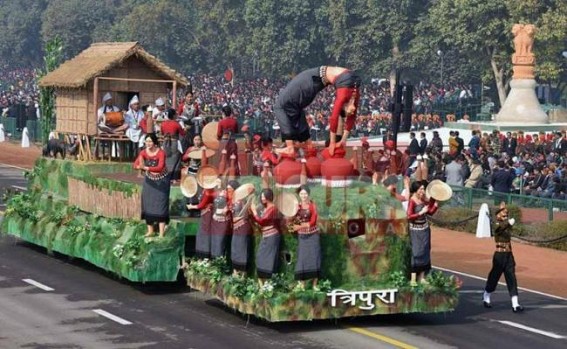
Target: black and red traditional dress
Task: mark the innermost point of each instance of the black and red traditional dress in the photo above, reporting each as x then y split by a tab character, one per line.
156	187
420	235
203	238
308	265
268	251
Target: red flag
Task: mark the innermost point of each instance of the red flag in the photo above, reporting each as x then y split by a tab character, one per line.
228	75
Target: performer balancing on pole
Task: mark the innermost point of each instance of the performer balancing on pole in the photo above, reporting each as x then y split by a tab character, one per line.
300	93
503	260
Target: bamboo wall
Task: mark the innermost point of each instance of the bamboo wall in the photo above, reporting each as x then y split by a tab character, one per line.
71	111
103	202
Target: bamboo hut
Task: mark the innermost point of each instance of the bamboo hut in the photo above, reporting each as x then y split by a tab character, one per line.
124	69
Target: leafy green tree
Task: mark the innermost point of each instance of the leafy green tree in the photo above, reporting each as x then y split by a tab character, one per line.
76	22
370	35
482	29
20	24
221	33
283	34
166	28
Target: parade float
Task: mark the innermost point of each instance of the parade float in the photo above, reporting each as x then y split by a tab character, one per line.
79	210
89	207
364	243
365	252
91	210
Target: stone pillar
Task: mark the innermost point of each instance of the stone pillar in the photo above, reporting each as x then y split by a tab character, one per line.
522	105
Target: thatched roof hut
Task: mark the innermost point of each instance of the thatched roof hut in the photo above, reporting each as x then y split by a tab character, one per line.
122	68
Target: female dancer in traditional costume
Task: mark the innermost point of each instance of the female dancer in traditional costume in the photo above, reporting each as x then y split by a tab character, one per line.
308	265
172	132
420	232
241	233
267	254
203	238
155	191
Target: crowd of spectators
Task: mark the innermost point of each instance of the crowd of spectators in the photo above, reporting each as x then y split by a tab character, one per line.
512	162
252	101
19	94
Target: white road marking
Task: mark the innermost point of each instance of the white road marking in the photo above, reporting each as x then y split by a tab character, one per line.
531	329
553	306
19	187
501	283
38	285
112	317
16	167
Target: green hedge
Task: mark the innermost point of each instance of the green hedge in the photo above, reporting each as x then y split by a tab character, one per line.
446	218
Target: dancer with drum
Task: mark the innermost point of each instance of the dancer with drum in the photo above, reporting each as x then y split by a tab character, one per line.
420	232
268	252
240	247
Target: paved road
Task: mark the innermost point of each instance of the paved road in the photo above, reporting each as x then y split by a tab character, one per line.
172	316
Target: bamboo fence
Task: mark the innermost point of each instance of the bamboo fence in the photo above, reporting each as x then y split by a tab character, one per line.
104	202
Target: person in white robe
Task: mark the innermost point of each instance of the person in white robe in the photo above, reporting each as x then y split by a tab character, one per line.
133	117
108	106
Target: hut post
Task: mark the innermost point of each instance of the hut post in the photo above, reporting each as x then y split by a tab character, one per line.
174	93
95	96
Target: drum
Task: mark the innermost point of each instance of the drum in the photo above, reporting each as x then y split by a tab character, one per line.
207	176
114	118
439	190
209	135
287	204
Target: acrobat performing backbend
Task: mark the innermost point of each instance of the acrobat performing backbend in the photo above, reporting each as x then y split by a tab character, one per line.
300	93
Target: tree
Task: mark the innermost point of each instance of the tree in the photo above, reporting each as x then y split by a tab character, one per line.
171	35
370	35
283	33
482	30
76	22
20	24
477	27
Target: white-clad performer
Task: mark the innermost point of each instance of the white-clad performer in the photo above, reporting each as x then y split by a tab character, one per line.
133	117
108	106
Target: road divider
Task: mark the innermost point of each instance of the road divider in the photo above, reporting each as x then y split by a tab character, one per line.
112	317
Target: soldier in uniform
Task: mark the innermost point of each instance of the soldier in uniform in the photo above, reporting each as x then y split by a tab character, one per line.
503	260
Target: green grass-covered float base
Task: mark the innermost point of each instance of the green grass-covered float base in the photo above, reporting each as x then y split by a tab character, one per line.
114	245
281	299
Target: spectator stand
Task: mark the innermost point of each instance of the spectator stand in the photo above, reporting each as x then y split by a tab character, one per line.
124	69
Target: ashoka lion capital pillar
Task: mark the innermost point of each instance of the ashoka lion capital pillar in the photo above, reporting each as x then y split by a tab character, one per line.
522	105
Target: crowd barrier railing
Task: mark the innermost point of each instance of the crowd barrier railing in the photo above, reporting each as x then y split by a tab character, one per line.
472	198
